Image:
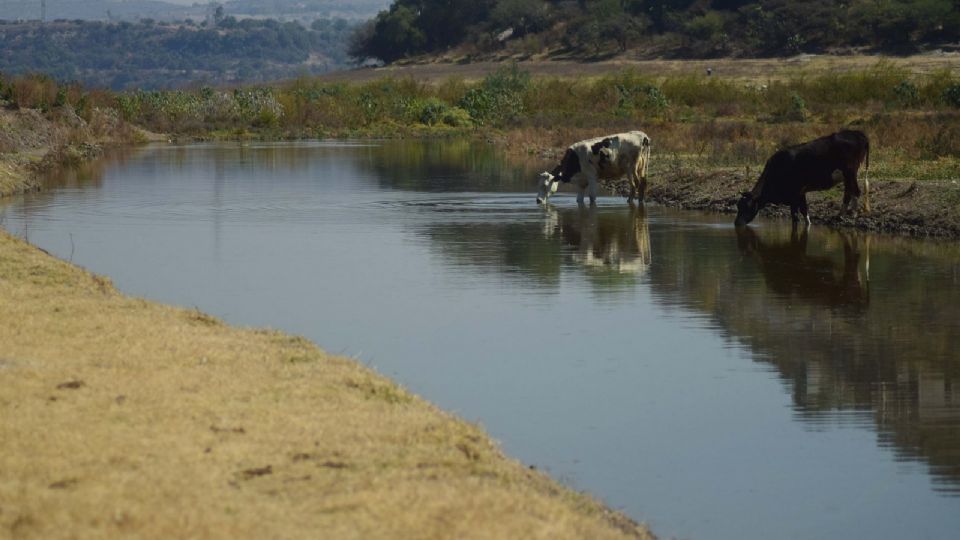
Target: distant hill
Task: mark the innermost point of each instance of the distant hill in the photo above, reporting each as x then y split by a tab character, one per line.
132	10
150	54
591	29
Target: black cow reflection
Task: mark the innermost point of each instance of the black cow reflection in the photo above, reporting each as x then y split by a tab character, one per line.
823	279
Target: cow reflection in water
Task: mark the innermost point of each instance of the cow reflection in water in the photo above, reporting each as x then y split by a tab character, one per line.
789	270
604	240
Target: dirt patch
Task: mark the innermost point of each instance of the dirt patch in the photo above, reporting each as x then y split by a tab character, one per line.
434	70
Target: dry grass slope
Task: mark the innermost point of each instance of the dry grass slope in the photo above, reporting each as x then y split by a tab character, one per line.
121	417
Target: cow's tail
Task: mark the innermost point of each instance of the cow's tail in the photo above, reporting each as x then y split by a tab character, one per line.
645	152
866	180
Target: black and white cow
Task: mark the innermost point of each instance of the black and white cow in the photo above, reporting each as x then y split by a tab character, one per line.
812	166
609	158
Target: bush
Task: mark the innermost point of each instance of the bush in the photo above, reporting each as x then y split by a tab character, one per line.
642	97
457	117
499	98
951	95
431	111
906	93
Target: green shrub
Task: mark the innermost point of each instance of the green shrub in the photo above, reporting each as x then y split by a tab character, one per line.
457	117
431	111
906	93
951	95
498	100
798	108
644	97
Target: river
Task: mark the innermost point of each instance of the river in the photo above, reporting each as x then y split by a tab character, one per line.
713	383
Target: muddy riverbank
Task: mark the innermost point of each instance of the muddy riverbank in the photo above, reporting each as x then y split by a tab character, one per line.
928	208
897	206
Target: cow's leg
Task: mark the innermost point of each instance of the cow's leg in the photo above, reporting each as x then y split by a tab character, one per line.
866	193
644	162
799	208
804	211
634	177
592	190
851	192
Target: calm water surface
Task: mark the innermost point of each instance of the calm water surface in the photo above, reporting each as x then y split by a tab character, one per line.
713	383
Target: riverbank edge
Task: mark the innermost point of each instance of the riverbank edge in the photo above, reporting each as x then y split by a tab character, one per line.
900	207
120	410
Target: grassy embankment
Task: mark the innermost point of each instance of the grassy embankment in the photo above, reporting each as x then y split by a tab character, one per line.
122	417
44	125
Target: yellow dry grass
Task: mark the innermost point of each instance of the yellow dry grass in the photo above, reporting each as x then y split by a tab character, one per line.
763	69
125	418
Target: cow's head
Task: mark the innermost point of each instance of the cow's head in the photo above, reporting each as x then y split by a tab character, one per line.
602	152
546	185
747	208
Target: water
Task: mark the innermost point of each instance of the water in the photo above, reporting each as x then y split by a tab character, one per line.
715	384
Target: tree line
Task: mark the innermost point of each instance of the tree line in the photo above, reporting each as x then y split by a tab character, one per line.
149	54
680	28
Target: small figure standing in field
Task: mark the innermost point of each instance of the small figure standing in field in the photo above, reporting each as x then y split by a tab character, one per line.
709	71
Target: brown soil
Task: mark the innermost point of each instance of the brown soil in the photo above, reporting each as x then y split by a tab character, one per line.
902	207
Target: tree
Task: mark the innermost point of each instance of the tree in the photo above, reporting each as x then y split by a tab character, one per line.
395	35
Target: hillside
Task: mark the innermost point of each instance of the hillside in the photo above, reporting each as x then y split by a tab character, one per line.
471	30
152	55
178	10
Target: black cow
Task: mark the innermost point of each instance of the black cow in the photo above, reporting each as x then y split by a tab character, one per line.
812	166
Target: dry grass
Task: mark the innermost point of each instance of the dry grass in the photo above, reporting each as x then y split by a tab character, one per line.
121	417
740	69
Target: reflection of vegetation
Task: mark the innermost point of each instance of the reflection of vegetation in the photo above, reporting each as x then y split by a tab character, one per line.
516	249
611	247
889	350
448	165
